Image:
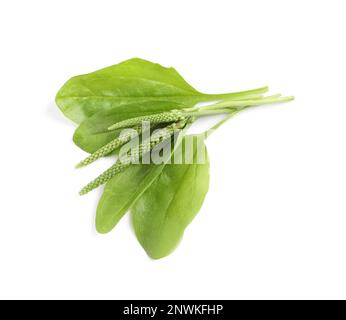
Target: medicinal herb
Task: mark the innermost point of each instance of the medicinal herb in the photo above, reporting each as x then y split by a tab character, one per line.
146	110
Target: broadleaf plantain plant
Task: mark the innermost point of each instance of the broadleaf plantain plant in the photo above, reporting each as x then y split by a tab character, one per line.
146	109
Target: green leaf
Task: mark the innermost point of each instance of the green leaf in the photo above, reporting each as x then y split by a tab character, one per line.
93	133
125	188
134	80
129	83
120	193
166	208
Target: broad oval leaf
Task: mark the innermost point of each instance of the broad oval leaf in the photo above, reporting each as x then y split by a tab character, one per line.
130	83
134	80
166	208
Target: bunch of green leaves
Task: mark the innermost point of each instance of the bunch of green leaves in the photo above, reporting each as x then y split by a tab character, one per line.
124	96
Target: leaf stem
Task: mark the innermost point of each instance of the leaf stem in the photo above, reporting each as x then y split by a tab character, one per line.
234	95
229	106
208	112
247	103
220	123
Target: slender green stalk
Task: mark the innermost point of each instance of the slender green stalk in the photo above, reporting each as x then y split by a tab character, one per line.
258	97
235	95
221	122
241	95
164	117
252	96
234	112
247	103
230	106
203	113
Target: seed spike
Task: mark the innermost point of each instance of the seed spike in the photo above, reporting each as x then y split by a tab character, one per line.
122	163
164	117
109	147
104	177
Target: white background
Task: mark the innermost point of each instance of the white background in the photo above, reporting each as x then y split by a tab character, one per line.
273	223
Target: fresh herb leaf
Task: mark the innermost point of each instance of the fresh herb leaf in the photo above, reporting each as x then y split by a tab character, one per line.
120	193
124	189
166	208
129	83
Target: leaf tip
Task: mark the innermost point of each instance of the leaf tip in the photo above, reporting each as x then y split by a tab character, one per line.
102	228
